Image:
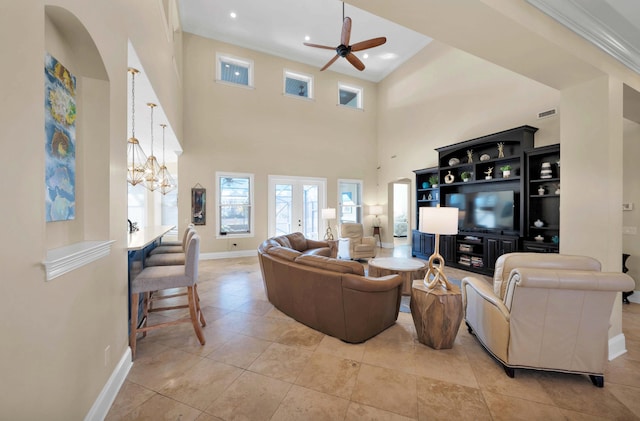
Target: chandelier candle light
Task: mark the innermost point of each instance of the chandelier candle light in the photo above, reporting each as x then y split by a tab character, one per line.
437	220
167	183
136	158
328	214
152	166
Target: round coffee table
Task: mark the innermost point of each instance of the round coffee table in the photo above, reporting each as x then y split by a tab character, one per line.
408	268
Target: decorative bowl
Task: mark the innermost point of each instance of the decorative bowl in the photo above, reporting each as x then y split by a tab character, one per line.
538	238
454	161
485	157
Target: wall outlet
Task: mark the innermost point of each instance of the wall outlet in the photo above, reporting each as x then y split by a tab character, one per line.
630	230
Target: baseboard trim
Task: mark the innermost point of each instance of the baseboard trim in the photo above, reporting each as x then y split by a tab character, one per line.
617	346
635	298
228	254
105	399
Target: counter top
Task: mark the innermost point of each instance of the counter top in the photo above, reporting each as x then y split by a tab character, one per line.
147	235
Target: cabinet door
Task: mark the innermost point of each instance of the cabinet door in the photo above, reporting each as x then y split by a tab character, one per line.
492	248
427	244
415	243
448	248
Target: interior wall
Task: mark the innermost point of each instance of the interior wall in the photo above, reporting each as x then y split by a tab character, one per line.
261	131
443	96
63	339
631	194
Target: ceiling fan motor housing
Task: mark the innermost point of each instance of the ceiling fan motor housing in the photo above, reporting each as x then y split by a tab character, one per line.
343	50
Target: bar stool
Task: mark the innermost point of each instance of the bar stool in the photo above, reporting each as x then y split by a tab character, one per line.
157	278
173	246
169	259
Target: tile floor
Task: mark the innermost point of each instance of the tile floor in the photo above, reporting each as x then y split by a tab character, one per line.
259	364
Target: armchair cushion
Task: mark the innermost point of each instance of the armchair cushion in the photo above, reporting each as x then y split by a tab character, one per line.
352	243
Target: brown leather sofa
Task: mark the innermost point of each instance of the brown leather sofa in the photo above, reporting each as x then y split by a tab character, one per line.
330	295
297	241
546	312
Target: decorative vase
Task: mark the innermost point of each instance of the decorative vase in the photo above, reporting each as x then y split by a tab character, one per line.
425	185
449	178
538	223
540	191
506	174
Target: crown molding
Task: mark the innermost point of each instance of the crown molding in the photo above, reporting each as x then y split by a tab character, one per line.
584	23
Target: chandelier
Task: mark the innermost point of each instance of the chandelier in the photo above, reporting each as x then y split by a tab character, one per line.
136	159
167	183
152	167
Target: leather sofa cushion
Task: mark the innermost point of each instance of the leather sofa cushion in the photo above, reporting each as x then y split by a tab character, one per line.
284	253
328	263
298	241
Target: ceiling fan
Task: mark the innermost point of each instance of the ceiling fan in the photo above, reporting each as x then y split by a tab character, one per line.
344	49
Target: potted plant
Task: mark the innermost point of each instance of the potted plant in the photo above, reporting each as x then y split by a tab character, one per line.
466	175
506	171
433	180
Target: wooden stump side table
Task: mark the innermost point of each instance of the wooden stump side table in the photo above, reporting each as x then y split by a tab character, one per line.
408	268
437	314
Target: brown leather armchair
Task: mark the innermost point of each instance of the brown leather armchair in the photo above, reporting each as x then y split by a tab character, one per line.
353	244
545	312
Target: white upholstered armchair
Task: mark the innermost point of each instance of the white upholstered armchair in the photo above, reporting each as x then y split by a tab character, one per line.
545	312
353	244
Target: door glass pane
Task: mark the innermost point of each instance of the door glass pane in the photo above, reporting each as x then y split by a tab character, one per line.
350	201
284	214
310	211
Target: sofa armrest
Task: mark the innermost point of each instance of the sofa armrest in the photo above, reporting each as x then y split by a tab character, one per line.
316	244
371	284
369	241
486	315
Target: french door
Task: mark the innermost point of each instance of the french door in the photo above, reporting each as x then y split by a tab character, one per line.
295	205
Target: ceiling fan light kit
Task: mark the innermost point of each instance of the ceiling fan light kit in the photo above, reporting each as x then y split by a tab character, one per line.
345	50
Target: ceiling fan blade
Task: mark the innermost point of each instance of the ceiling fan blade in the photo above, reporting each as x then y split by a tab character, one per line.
346	31
370	43
355	61
330	62
326	47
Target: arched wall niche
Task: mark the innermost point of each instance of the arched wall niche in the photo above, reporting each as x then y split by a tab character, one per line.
68	40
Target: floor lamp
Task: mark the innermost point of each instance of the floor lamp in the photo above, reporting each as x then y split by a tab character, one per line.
328	215
437	220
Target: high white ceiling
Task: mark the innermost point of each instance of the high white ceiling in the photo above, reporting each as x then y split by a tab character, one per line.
279	28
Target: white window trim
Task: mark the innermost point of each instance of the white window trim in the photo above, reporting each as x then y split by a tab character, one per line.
360	207
299	76
251	233
245	62
352	88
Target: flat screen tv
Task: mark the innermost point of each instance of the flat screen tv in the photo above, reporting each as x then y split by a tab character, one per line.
484	211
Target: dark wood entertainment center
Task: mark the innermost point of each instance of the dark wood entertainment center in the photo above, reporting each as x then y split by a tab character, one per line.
516	212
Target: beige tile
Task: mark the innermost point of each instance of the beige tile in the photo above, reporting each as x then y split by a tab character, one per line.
201	384
359	412
206	417
182	337
390	390
251	397
240	351
282	362
439	400
153	371
329	374
334	346
508	408
629	396
309	405
255	307
575	392
301	336
162	408
450	365
129	397
389	354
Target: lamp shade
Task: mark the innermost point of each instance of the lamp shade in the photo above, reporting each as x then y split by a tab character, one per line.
329	213
437	220
375	210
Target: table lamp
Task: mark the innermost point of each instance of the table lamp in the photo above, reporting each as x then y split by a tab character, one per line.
328	214
437	220
375	210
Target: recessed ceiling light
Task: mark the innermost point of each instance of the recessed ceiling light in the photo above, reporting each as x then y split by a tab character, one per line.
233	15
307	37
365	55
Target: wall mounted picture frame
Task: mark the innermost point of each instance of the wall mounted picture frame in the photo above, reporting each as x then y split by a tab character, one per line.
198	205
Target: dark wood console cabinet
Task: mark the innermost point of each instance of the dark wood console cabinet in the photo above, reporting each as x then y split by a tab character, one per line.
477	248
